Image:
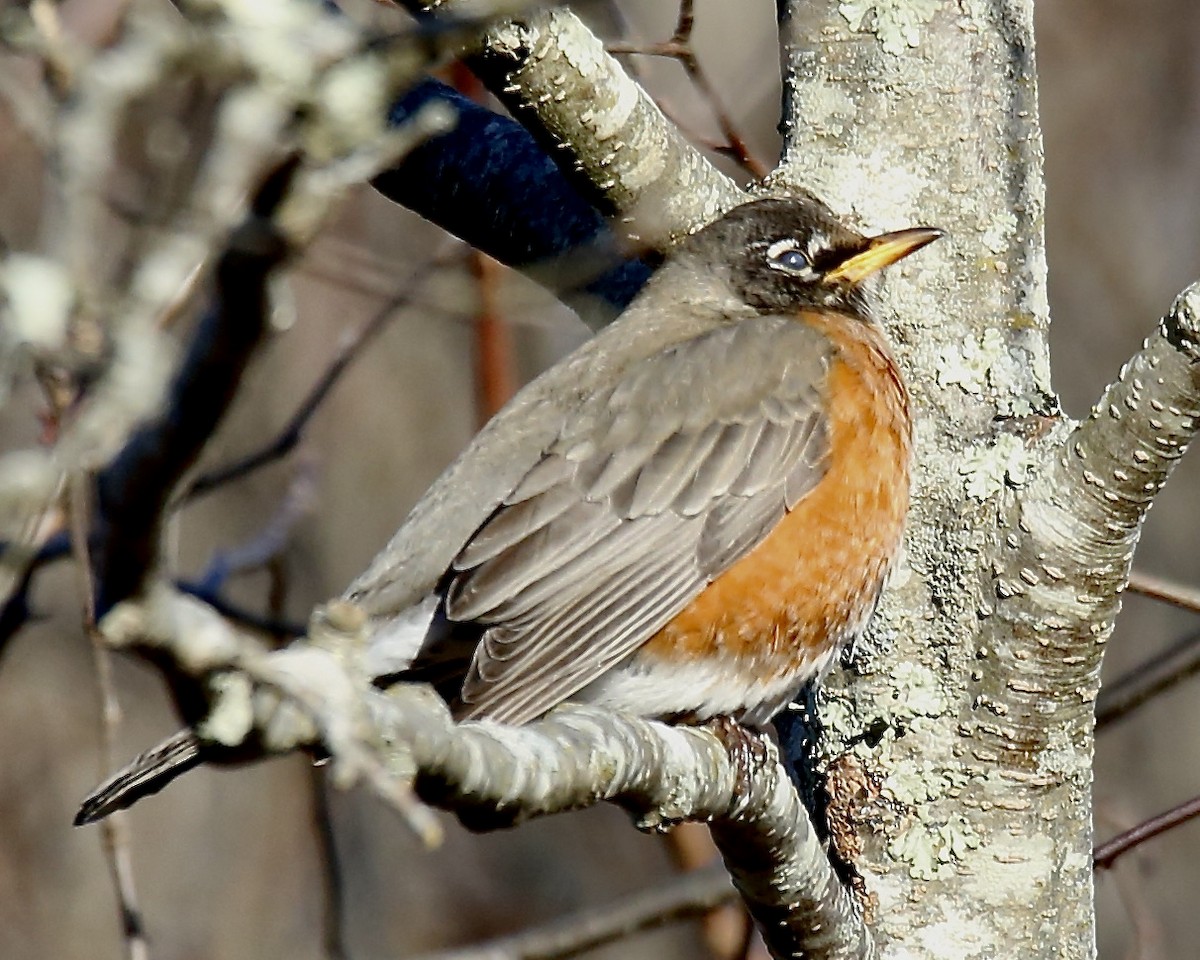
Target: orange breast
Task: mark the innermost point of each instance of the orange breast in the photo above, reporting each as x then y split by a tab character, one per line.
814	580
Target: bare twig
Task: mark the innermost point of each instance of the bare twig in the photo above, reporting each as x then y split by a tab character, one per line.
689	895
270	540
1147	680
1134	896
332	884
686	21
1168	591
115	834
287	439
680	48
496	378
1105	855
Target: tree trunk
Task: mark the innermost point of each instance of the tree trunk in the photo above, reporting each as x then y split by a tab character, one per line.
971	817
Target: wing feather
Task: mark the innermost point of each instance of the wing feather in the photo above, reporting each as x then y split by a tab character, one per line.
653	489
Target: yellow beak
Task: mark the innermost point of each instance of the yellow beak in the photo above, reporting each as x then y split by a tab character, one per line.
880	252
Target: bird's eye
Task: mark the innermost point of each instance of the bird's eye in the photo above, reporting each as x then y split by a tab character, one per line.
785	256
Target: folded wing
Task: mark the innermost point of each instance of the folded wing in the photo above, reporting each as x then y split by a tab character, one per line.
659	485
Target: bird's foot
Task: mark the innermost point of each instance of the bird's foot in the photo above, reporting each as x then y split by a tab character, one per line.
748	749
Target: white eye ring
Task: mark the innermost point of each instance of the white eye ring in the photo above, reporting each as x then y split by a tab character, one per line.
787	257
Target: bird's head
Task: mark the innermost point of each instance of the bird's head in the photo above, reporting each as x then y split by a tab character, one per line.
783	254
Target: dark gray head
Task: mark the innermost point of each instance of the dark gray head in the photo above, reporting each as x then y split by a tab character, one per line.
788	253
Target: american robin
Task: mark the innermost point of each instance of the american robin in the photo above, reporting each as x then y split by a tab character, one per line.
686	518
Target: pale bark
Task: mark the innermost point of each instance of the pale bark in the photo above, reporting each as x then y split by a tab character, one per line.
986	658
493	775
928	112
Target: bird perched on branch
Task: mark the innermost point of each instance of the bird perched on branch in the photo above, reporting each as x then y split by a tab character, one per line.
686	518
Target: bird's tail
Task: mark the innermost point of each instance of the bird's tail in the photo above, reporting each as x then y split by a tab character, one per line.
145	774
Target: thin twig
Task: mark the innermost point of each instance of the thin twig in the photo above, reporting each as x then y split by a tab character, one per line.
1168	591
1107	853
1132	893
689	895
496	378
686	22
269	541
680	48
1147	680
287	439
333	896
115	831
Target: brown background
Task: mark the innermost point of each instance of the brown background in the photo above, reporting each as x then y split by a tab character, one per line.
226	862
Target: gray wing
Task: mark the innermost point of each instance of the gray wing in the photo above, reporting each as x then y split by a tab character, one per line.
657	486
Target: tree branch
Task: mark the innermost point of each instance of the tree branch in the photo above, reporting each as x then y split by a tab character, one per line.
643	169
133	490
621	152
495	776
1068	538
1107	853
1167	591
1098	487
1147	680
689	895
537	220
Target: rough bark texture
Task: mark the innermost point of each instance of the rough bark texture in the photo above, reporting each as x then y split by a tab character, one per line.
902	112
973	814
493	775
556	73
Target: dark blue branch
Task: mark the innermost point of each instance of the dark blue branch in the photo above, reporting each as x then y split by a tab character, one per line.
489	182
132	491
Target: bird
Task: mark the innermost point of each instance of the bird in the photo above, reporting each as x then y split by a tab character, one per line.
686	519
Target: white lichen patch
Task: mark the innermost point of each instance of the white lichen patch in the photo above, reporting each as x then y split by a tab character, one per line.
968	362
916	847
935	851
914	782
1061	759
1013	864
988	466
960	936
893	208
918	691
838	716
897	23
827	109
998	234
845	179
957	838
932	851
